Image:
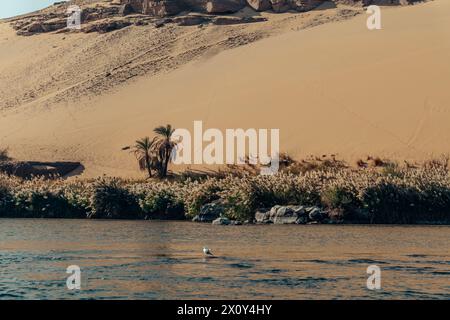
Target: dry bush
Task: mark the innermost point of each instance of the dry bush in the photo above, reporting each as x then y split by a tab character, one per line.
392	195
4	155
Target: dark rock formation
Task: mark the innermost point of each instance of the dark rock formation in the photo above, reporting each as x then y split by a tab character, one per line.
106	26
224	6
105	16
30	169
161	8
260	5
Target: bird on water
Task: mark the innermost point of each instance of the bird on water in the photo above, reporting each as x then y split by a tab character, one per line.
207	252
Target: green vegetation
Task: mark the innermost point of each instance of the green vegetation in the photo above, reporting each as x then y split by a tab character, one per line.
110	198
156	154
418	194
143	152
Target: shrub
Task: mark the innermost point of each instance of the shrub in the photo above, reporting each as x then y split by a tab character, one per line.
388	202
242	196
375	162
342	199
78	197
42	204
403	195
392	169
199	193
162	204
111	200
6	201
4	155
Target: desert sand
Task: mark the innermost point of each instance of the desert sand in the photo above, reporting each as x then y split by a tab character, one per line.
327	82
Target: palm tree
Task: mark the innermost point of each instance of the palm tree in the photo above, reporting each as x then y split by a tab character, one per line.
142	150
164	147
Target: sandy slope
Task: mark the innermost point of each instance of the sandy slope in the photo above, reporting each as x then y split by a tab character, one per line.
336	88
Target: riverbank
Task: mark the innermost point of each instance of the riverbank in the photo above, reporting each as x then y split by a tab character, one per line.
328	192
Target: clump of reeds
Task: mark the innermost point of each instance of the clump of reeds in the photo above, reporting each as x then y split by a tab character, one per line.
373	194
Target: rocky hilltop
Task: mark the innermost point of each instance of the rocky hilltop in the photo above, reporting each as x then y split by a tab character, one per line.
109	15
171	7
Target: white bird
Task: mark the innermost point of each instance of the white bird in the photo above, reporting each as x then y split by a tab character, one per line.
207	252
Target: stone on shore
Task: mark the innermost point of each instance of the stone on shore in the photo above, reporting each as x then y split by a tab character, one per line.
222	221
209	212
290	215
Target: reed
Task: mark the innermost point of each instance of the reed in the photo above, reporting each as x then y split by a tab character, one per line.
419	194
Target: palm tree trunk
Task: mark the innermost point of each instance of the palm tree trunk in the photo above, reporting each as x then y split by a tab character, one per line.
148	165
166	163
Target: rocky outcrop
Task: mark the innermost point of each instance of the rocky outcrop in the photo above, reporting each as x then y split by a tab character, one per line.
224	6
105	16
106	26
260	5
30	169
291	215
218	6
377	2
161	8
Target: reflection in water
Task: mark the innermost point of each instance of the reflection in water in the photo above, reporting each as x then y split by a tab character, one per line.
164	260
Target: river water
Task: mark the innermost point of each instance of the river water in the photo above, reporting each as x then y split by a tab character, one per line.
164	260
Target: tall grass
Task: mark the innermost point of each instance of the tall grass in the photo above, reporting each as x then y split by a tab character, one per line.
369	195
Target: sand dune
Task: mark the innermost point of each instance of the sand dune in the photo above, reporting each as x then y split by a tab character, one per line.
335	88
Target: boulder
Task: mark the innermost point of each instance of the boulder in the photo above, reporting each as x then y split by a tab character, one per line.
125	9
235	20
136	5
161	8
260	5
209	212
280	6
106	26
376	2
35	27
224	6
298	5
302	220
282	215
263	216
54	24
289	214
304	5
222	221
190	20
195	5
315	214
160	23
